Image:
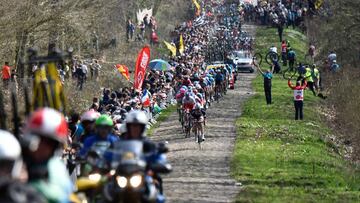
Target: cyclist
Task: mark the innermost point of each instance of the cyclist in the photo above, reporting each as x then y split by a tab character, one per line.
199	116
45	134
103	132
219	79
11	189
87	125
188	101
186	81
179	97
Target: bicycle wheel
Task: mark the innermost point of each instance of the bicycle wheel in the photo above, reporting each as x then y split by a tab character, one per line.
258	58
199	140
289	74
271	57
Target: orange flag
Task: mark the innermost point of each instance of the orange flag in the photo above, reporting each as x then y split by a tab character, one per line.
123	70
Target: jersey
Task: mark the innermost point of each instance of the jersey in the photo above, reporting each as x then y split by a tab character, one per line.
219	78
189	103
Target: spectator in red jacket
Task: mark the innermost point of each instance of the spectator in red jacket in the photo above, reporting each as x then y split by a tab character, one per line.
298	98
6	74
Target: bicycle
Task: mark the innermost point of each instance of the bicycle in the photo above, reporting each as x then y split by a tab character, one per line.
290	72
197	125
187	124
217	92
272	57
181	116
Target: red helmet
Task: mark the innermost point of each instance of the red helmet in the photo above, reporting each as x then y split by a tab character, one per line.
48	123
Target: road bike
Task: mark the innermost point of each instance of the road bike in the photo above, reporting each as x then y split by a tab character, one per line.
197	125
187	123
272	57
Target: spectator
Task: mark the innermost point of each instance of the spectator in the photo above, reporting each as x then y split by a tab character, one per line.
298	98
268	75
146	20
154	39
130	29
6	74
96	67
284	52
334	67
141	35
311	52
291	56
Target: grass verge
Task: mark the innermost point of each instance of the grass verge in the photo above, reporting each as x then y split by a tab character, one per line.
162	117
278	159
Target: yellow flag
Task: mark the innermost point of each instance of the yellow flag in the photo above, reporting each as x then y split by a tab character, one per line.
319	3
181	45
171	48
198	7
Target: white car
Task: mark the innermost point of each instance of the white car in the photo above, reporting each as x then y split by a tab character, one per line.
243	61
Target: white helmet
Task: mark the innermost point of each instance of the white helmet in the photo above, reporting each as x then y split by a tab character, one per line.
90	115
136	117
10	150
122	129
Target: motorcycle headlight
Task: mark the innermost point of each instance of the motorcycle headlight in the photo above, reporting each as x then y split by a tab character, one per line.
121	181
112	172
95	177
135	181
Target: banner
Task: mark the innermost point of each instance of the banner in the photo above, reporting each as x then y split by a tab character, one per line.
145	99
142	63
124	71
140	15
171	47
198	7
181	45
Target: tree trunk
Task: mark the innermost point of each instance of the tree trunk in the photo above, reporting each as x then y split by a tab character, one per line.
21	40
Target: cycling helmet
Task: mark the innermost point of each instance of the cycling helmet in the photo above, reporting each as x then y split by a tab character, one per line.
182	91
122	129
137	117
90	116
10	150
199	95
104	120
47	123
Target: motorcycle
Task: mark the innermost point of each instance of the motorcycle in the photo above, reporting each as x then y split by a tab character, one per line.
94	173
136	179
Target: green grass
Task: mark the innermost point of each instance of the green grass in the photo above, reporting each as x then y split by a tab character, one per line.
278	159
162	117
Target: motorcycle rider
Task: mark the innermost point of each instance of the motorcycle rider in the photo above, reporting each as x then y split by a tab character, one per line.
45	133
87	125
136	122
103	132
11	188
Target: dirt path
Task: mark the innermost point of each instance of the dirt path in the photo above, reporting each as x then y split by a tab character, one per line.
204	176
